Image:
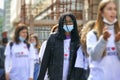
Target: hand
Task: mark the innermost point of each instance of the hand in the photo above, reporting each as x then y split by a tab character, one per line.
30	78
117	37
7	76
106	34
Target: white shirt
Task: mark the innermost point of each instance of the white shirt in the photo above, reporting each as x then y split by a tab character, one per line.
41	53
36	55
107	67
66	58
81	60
42	49
19	62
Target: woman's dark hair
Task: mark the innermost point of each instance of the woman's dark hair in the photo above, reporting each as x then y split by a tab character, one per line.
61	31
16	34
5	40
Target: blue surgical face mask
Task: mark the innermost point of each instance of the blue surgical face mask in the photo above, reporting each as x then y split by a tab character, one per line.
22	39
68	28
33	43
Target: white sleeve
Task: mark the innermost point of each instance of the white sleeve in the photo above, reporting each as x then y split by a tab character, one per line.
7	50
95	48
32	58
8	64
8	61
79	63
42	49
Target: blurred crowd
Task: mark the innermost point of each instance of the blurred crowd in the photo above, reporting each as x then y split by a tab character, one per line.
89	53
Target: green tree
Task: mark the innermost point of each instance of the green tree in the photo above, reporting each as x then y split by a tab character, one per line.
1	25
1	21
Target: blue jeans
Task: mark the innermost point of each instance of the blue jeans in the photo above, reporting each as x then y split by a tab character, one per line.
1	72
36	71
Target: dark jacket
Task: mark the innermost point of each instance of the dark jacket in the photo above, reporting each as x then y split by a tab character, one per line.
54	57
2	57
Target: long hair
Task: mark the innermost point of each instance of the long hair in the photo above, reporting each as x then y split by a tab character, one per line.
17	32
37	41
99	23
88	26
54	28
61	32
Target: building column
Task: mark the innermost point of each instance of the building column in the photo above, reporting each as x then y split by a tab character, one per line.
93	9
7	26
85	10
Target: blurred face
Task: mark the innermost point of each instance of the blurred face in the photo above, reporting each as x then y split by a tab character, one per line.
23	33
68	21
32	39
68	25
109	12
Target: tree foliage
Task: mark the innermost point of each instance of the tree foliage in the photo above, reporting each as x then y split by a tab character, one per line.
1	21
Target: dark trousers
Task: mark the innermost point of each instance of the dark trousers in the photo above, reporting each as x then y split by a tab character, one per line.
2	74
78	74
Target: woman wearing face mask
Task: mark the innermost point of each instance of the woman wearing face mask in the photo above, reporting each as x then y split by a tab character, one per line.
19	61
59	55
35	42
104	47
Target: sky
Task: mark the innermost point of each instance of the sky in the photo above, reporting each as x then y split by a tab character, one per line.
1	4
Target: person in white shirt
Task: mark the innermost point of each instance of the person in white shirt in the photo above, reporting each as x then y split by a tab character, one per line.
35	42
19	61
84	56
104	46
60	51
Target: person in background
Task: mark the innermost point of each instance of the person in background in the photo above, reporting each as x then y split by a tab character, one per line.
81	70
2	58
86	28
43	46
60	51
104	46
19	56
36	44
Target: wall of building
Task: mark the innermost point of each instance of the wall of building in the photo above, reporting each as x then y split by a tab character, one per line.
1	21
92	10
15	10
58	7
7	25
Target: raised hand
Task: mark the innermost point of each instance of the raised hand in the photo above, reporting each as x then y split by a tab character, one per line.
30	78
7	76
106	34
117	37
